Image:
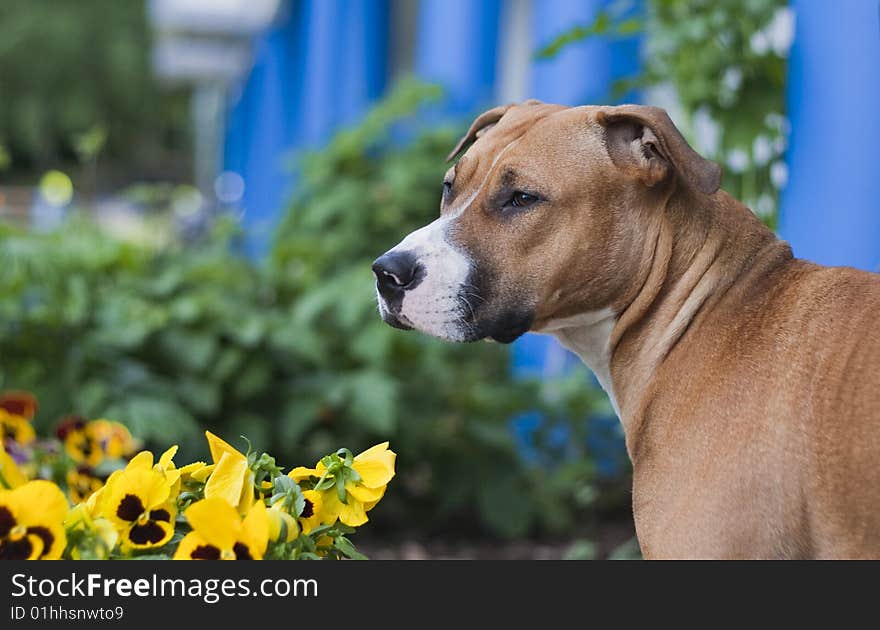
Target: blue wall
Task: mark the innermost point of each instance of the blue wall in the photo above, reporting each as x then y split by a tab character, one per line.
831	206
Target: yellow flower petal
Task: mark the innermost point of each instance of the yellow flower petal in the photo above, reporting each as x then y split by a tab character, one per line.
373	451
93	503
246	498
227	480
255	530
301	472
375	465
189	469
374	474
10	475
201	473
165	460
369	505
144	459
219	447
351	513
216	521
364	494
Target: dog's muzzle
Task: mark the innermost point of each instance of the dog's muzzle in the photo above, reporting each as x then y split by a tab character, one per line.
396	273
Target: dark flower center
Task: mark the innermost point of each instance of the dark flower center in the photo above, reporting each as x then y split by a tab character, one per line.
148	533
308	509
242	552
130	508
7	521
160	515
205	552
16	549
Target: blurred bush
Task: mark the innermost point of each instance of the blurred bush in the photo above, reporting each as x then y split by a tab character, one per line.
291	351
76	80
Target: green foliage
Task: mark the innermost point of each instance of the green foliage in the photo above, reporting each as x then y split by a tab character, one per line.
728	75
717	56
76	76
292	352
609	22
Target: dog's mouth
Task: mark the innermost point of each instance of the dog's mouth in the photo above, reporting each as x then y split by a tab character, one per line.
395	320
503	327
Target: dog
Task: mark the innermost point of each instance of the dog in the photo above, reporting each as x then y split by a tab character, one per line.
747	381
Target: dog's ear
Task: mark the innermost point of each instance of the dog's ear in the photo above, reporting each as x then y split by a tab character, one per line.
481	125
644	141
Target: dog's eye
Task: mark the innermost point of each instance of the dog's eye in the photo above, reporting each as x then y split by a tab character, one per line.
447	187
522	200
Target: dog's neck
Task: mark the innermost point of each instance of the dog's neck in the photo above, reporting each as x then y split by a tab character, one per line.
695	250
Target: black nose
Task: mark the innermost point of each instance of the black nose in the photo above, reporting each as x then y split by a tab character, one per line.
396	272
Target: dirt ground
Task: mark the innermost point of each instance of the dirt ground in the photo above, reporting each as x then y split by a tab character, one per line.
614	539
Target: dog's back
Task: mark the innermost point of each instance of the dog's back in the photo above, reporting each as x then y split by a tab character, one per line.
782	452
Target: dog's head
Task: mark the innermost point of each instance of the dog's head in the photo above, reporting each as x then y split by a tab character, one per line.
539	220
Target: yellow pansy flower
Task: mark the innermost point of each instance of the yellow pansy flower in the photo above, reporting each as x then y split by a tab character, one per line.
113	438
16	428
139	503
374	468
82	482
90	442
31	522
10	474
219	533
231	479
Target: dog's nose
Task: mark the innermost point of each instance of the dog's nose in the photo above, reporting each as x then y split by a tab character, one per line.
396	272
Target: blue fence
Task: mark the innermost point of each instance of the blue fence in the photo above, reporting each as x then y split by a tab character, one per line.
831	206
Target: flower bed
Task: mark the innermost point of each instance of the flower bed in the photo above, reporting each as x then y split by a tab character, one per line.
90	493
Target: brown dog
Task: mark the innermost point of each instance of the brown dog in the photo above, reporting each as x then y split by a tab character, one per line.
747	381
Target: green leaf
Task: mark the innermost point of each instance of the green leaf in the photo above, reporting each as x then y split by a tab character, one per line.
348	549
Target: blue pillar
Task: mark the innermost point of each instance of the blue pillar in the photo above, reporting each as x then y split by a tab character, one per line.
319	68
830	210
456	47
